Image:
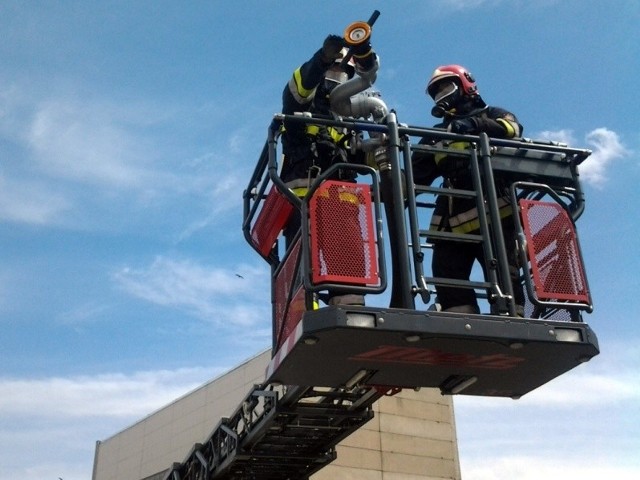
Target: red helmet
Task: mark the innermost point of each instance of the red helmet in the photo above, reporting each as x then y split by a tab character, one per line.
460	74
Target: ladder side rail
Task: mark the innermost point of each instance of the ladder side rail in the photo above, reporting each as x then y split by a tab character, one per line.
254	195
264	175
249	194
272	165
422	286
272	168
217	454
256	412
504	295
226	447
401	294
222	444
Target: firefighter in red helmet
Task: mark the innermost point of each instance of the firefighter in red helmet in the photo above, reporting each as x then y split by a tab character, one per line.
457	102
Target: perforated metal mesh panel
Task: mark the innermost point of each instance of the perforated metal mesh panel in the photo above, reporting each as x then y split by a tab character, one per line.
285	318
273	217
553	251
343	244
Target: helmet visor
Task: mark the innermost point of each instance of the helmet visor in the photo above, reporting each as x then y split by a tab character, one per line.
444	91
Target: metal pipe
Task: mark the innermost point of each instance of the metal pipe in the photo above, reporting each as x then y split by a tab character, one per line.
401	296
340	100
494	215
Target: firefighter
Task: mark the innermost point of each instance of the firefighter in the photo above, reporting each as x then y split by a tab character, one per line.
462	110
310	149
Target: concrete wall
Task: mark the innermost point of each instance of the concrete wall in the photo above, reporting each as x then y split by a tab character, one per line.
411	437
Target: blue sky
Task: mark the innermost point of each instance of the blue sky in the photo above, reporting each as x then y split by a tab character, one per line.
128	131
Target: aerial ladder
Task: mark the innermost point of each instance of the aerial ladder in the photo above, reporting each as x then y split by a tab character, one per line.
330	364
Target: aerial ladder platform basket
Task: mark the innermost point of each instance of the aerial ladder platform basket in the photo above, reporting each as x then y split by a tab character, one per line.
498	353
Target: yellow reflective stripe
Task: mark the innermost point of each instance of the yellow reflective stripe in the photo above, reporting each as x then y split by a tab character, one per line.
512	131
474	225
301	94
459	145
304	92
440	156
300	192
335	134
468	221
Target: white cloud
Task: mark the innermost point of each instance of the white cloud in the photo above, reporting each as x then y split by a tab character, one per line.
561	466
82	313
107	395
560	136
31	202
50	425
68	155
87	142
225	297
606	147
468	4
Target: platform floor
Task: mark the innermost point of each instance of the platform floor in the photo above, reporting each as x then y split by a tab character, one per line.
459	353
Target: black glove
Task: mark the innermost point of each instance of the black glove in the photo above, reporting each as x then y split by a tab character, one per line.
464	125
331	48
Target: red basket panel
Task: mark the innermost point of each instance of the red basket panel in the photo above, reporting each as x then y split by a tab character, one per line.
286	317
554	255
273	217
341	226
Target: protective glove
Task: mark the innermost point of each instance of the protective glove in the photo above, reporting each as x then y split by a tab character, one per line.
331	48
464	125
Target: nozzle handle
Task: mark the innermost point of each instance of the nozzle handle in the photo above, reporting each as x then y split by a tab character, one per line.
372	19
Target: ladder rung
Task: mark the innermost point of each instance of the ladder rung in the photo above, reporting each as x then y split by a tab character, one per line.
458	237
